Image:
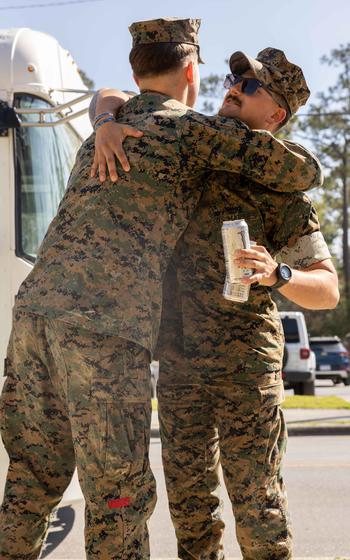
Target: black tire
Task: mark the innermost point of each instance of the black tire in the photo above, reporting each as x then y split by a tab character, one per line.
285	357
304	388
346	381
309	388
297	387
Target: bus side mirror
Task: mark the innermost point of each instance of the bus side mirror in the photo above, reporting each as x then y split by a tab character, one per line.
8	117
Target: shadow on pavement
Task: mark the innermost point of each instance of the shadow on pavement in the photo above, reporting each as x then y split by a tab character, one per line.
60	526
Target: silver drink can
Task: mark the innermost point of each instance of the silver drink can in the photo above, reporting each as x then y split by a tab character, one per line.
236	292
235	235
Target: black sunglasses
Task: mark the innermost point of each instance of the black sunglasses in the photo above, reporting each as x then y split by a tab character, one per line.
249	85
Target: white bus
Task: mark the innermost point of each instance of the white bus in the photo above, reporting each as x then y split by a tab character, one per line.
43	120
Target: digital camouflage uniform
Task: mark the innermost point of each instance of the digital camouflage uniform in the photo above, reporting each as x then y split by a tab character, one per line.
220	380
87	317
220	384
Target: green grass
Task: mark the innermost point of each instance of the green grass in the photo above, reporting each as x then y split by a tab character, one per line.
154	405
301	401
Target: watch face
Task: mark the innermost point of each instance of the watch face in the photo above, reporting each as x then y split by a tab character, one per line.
285	272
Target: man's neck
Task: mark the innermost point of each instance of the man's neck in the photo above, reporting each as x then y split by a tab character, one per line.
165	88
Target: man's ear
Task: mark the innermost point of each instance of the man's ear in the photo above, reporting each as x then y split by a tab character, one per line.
278	116
190	72
136	79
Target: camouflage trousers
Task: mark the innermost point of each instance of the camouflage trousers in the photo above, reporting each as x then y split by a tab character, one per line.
76	398
207	420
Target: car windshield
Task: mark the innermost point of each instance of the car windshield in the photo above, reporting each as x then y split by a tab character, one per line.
329	346
290	328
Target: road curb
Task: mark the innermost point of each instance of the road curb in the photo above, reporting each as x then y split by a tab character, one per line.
321	430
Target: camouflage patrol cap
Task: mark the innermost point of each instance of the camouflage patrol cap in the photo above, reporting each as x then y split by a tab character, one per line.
284	80
166	30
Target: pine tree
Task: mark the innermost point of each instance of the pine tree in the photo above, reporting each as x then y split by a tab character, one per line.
327	126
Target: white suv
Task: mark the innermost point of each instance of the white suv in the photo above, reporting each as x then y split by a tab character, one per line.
299	361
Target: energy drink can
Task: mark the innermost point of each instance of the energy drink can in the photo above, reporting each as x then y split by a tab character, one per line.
236	292
235	235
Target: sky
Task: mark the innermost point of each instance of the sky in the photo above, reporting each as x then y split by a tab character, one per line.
96	32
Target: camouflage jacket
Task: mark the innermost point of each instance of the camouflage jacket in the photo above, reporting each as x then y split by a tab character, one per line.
103	259
216	335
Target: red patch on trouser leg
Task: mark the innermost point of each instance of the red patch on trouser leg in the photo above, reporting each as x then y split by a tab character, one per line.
121	502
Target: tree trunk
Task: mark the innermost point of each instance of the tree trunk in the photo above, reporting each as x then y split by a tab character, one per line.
346	253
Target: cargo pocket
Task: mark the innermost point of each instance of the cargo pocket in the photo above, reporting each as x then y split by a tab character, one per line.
90	445
112	422
271	431
272	393
276	444
117	435
128	432
118	439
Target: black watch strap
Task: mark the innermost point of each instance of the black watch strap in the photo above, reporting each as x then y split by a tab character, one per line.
284	274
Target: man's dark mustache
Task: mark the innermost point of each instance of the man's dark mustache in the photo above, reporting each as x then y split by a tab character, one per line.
234	99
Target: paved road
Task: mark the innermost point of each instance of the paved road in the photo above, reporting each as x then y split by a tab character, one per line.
317	473
318	480
327	387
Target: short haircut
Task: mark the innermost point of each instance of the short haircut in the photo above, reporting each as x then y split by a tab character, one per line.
160	58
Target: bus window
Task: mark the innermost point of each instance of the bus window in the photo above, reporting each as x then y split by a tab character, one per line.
44	158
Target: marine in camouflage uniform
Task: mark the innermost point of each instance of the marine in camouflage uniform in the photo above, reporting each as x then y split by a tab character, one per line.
87	318
220	384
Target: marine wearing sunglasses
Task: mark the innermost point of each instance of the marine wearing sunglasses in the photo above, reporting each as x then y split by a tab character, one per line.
248	85
251	101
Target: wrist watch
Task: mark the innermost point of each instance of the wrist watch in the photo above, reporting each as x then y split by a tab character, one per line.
284	274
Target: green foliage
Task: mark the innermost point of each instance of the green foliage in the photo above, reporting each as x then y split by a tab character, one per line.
301	401
327	127
211	86
90	84
212	91
289	130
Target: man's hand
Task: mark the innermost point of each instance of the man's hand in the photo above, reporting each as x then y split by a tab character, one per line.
108	146
260	260
313	287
